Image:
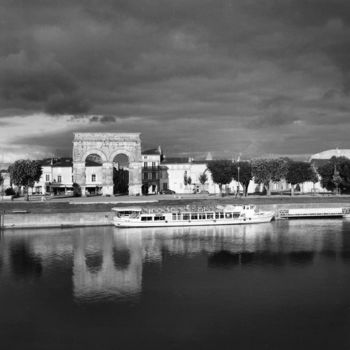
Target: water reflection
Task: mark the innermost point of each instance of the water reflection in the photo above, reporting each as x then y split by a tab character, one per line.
121	258
224	258
24	262
108	263
116	273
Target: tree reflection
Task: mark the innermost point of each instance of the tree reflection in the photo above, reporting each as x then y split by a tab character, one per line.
225	258
23	262
345	256
301	257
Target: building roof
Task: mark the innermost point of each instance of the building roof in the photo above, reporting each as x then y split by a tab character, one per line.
153	151
66	162
331	153
176	160
57	162
63	162
201	161
45	162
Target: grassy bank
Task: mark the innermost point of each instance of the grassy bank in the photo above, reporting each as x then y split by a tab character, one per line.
64	206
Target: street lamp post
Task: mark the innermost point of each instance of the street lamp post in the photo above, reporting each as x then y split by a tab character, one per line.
238	168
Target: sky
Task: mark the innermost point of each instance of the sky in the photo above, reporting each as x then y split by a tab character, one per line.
256	77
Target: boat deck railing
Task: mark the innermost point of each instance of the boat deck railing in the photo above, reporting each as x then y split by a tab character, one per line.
188	209
313	212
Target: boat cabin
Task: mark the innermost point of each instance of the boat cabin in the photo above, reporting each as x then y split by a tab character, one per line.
127	211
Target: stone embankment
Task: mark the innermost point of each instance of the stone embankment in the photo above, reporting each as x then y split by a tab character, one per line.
63	220
11	220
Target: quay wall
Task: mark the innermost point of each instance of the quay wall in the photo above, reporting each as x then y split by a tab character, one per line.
28	220
276	207
44	220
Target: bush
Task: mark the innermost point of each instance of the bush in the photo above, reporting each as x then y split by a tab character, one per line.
76	190
10	191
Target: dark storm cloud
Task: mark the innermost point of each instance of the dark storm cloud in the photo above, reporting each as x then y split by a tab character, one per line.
251	65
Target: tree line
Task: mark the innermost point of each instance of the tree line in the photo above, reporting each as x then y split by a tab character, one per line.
334	173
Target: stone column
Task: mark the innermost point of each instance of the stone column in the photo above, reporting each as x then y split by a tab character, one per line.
79	175
107	179
135	178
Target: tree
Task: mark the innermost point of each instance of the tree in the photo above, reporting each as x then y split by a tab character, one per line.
245	174
337	180
221	172
203	178
298	173
342	166
1	183
326	172
266	171
25	173
10	192
185	178
335	174
189	180
120	181
76	190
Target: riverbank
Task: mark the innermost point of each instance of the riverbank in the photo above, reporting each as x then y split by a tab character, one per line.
20	214
104	204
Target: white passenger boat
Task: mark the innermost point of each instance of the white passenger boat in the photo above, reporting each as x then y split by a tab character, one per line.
162	217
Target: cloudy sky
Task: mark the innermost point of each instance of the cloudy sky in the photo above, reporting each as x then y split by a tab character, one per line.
255	77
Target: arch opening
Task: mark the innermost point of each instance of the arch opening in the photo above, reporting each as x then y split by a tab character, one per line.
121	174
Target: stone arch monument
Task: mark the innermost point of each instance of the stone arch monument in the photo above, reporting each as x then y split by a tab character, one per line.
108	146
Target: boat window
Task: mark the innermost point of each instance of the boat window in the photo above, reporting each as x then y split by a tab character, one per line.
194	216
186	216
146	218
221	215
217	215
228	215
174	216
201	216
158	218
210	216
235	215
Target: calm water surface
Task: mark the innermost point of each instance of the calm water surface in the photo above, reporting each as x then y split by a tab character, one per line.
282	285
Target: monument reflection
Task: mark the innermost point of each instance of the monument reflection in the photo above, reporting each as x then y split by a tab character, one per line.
108	263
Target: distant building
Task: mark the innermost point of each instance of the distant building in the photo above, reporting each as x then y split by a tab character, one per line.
331	153
154	174
56	176
184	174
322	158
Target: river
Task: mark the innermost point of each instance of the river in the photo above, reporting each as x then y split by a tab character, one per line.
281	285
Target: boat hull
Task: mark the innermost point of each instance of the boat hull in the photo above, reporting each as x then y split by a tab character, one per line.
179	223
